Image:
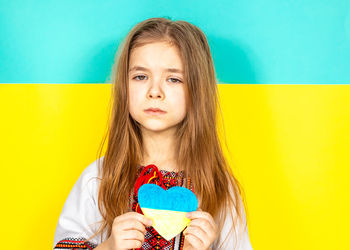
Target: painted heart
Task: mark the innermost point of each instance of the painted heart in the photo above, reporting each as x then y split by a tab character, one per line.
167	208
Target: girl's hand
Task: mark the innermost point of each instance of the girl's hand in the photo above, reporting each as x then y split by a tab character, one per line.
128	231
201	232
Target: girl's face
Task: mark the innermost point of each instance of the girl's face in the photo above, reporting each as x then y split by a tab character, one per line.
156	80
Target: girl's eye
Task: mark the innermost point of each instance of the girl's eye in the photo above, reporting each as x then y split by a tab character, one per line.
177	80
139	76
174	80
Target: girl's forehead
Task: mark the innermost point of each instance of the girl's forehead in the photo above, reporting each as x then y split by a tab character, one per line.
157	55
155	47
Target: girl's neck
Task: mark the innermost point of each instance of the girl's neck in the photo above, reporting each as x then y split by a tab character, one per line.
158	149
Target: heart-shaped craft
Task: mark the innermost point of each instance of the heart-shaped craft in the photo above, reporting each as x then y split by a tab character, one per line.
167	208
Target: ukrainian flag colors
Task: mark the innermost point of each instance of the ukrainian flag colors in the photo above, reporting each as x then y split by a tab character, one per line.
167	208
283	78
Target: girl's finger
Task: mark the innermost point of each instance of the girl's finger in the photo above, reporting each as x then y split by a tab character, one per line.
203	215
198	233
134	215
131	244
133	235
132	225
204	225
194	241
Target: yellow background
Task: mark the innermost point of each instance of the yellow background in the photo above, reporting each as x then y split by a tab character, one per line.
289	145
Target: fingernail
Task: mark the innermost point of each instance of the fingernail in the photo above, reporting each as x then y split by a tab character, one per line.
188	215
150	222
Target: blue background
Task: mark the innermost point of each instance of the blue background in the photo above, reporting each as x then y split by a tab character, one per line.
258	41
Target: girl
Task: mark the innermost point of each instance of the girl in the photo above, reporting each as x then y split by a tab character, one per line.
163	130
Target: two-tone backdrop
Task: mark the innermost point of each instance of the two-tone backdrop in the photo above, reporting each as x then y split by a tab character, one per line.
283	71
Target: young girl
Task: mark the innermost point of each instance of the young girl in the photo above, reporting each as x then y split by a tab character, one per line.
163	130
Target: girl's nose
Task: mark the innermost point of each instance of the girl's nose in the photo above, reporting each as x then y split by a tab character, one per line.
154	95
155	91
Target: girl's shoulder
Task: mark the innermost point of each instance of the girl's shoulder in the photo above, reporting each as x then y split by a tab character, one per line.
80	216
92	170
90	178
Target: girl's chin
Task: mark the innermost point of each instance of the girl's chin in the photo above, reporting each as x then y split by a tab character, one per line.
155	127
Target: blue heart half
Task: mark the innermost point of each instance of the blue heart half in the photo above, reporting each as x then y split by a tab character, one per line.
167	208
176	198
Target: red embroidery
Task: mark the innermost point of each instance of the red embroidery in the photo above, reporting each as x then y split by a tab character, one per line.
75	243
149	174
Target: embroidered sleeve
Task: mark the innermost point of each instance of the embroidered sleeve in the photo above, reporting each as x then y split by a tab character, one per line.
75	243
80	215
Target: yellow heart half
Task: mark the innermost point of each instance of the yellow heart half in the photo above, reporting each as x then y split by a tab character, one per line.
166	222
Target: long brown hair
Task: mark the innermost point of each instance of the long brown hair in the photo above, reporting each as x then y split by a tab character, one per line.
197	142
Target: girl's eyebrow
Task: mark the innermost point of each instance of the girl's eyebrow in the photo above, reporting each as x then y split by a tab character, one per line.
173	70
